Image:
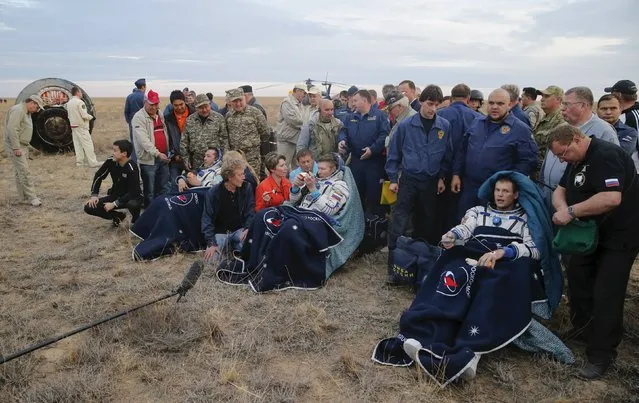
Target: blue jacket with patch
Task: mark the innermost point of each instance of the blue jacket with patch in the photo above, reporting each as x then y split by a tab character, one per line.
342	113
134	102
420	155
520	114
627	137
489	147
368	130
460	116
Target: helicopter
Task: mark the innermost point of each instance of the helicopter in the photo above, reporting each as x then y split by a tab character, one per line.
327	85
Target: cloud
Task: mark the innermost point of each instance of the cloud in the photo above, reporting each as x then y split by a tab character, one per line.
19	3
124	57
563	47
5	27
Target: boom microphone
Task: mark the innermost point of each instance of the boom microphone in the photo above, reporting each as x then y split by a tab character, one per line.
190	278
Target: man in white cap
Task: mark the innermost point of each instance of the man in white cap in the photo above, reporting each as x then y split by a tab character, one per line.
311	111
290	121
18	129
398	108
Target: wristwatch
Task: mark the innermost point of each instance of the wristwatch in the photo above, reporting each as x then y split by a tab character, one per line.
571	213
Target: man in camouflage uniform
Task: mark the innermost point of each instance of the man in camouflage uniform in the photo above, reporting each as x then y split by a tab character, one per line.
247	129
18	129
550	103
202	130
529	102
320	134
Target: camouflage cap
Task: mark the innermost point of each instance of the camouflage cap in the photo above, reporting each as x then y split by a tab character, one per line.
552	90
300	86
392	99
201	99
235	93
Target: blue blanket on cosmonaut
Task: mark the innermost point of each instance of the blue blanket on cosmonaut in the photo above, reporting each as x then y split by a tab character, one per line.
461	312
171	223
286	247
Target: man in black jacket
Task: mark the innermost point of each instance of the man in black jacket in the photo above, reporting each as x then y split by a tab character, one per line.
175	119
228	211
125	192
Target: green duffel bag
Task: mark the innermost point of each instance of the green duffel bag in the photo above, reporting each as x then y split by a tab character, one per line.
578	237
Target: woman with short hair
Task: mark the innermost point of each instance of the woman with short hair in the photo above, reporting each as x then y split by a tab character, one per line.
276	188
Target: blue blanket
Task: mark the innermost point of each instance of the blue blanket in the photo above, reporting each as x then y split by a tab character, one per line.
541	229
461	312
286	247
171	223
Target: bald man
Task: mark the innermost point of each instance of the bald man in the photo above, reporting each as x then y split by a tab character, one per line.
492	143
320	134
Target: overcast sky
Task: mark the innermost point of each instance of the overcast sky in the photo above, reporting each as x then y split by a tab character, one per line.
204	44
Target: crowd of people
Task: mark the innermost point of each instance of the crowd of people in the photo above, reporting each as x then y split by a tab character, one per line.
435	152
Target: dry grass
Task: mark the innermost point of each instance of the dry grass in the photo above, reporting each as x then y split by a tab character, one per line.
61	269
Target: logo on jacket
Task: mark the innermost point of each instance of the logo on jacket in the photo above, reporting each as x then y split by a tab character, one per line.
580	179
452	282
440	134
504	129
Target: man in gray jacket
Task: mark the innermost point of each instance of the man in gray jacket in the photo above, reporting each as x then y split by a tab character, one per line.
151	144
290	121
576	108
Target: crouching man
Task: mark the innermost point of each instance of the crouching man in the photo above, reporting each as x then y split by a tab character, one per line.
125	193
228	211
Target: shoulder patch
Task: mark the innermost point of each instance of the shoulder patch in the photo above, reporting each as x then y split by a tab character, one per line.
440	134
84	106
504	129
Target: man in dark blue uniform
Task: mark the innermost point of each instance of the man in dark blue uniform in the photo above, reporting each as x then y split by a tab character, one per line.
363	135
515	107
493	143
134	102
422	149
460	116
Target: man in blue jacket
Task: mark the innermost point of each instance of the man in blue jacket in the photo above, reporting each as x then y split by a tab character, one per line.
421	147
134	102
493	143
363	135
515	107
228	211
460	116
609	109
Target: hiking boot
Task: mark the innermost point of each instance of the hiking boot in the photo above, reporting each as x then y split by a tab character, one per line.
36	202
117	220
593	371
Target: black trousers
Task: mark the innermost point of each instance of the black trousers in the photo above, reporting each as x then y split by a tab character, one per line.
132	205
415	199
597	289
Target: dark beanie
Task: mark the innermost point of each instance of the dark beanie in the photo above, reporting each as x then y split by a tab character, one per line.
177	94
246	88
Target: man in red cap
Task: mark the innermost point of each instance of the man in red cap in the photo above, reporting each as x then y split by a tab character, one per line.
151	144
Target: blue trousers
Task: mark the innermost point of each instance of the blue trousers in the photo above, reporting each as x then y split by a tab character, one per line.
154	179
369	177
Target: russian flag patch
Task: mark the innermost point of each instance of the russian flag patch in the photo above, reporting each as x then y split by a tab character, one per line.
613	182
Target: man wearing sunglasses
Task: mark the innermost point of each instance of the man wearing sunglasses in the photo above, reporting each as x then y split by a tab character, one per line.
600	183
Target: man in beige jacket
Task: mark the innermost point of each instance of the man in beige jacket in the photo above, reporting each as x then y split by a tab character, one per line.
290	121
151	144
79	119
18	129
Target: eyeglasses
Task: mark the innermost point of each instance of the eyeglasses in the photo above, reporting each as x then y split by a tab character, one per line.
569	104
